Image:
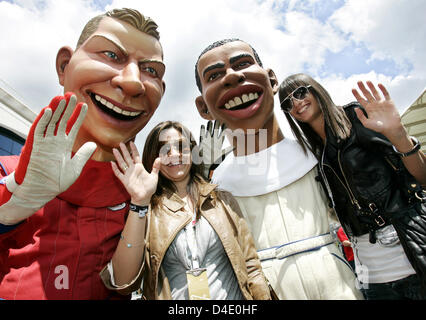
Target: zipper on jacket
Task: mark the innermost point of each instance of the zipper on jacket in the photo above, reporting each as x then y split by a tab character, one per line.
377	218
348	191
351	194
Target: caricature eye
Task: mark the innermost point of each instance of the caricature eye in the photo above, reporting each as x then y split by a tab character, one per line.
242	64
150	70
213	76
153	69
111	55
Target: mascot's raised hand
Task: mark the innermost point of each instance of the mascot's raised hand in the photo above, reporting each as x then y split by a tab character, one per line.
46	166
210	152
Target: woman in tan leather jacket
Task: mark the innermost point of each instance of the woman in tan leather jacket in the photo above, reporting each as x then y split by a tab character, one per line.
197	244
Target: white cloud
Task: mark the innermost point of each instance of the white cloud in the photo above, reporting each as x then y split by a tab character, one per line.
31	33
305	43
400	87
391	29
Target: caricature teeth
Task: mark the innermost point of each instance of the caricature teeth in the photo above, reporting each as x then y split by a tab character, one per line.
238	101
116	109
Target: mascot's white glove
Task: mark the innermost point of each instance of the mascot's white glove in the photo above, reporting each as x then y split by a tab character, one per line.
210	149
45	167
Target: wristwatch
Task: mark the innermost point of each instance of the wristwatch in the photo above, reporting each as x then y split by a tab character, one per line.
412	151
141	210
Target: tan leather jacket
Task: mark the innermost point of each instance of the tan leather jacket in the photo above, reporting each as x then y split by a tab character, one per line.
225	217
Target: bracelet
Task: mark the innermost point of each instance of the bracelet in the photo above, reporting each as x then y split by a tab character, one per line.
129	245
412	151
141	210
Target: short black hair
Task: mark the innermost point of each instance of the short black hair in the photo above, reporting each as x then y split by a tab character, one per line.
218	44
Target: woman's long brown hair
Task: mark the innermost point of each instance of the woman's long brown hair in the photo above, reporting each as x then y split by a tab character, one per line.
151	151
334	116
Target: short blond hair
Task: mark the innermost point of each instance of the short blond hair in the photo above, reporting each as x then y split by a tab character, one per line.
131	16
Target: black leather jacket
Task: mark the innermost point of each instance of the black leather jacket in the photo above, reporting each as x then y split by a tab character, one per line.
361	181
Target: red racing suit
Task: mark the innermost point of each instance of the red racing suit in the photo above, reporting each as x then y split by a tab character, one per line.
58	252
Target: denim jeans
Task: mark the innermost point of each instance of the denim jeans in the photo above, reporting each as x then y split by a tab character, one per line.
403	289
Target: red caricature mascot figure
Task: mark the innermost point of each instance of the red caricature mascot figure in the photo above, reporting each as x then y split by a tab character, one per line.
61	207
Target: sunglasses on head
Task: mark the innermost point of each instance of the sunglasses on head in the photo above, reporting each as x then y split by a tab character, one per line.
298	94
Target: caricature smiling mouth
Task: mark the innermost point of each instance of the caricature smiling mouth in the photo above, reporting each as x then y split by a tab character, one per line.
114	110
241	102
241	98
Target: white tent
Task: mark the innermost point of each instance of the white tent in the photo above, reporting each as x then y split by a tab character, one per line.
414	119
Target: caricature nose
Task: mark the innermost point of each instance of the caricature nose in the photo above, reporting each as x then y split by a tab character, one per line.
233	77
129	80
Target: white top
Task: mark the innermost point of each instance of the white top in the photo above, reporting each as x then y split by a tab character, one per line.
265	171
375	263
210	254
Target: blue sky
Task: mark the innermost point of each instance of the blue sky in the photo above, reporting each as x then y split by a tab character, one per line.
355	59
321	10
336	41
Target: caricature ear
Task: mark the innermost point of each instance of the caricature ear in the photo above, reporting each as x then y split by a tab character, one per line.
163	83
62	59
274	81
202	108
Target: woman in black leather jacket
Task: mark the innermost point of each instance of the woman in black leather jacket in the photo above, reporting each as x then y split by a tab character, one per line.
350	143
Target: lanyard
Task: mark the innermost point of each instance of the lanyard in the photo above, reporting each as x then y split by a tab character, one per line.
192	242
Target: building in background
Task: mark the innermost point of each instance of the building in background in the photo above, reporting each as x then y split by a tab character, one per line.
15	121
414	119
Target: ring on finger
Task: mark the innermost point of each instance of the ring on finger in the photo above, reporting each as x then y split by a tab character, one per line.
125	168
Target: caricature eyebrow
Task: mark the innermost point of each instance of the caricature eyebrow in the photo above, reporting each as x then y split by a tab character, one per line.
213	66
119	46
124	51
152	60
240	56
231	61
